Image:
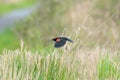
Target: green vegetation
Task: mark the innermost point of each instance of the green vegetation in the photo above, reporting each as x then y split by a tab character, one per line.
108	68
8	40
94	55
22	65
7	7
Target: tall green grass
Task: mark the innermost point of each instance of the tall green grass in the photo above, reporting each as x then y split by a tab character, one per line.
59	64
109	67
25	65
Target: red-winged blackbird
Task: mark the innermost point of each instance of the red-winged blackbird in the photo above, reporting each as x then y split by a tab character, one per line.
60	41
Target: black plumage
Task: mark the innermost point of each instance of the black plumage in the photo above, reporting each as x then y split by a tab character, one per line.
60	41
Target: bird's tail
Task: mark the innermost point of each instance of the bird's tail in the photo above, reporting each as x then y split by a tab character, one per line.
69	40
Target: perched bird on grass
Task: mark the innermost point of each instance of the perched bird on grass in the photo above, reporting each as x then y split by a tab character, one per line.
60	41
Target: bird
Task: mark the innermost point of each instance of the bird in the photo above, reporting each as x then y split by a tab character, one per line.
60	41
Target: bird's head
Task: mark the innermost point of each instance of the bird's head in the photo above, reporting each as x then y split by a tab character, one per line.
56	39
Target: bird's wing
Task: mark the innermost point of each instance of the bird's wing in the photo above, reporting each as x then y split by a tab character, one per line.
60	44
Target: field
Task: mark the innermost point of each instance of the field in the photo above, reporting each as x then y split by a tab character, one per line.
94	55
10	5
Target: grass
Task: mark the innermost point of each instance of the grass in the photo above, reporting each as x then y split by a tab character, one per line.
24	65
4	8
59	64
94	55
108	68
8	40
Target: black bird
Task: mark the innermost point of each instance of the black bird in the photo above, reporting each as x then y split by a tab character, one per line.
60	41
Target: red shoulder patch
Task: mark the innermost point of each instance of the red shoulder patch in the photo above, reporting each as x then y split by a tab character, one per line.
57	39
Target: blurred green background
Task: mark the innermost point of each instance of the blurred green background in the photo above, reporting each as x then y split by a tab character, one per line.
53	17
11	5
